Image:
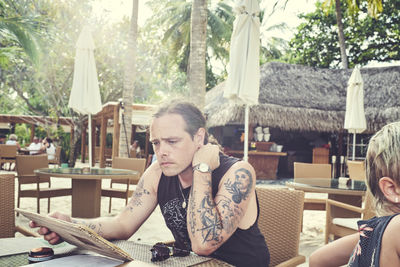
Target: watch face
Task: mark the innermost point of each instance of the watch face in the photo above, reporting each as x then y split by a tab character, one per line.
203	167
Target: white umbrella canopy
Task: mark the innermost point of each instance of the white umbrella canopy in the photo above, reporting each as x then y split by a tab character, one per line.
243	82
354	120
85	93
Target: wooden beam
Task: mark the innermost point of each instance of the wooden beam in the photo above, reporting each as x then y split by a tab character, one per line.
71	140
33	127
103	133
115	143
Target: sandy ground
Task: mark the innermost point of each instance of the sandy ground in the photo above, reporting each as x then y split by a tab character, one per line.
155	230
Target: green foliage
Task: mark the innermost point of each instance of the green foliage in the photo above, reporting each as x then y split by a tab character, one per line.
18	29
367	39
23	134
172	19
63	139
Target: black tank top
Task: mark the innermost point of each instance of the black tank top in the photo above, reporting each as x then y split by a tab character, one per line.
243	248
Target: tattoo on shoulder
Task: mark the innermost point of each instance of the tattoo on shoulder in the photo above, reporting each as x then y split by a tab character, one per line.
241	186
140	191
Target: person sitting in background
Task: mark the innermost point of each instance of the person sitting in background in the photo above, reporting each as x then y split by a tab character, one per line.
35	146
377	241
12	140
135	149
2	139
49	148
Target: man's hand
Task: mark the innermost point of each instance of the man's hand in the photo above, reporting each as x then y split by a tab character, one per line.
208	154
52	237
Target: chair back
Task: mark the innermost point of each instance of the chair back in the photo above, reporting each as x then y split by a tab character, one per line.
310	170
8	151
7	216
280	219
357	170
57	156
134	164
26	164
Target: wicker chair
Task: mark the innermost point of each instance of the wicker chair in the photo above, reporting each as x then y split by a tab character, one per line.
57	157
8	154
7	216
25	173
128	164
339	227
310	170
281	213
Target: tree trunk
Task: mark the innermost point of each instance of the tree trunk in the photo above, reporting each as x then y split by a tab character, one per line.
129	85
342	42
197	59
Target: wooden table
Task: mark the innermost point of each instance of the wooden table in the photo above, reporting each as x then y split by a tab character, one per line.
86	186
14	252
265	163
350	194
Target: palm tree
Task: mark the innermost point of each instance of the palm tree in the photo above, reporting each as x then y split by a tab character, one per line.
16	29
129	84
374	8
173	19
197	59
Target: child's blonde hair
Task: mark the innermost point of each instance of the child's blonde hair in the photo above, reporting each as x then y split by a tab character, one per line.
383	160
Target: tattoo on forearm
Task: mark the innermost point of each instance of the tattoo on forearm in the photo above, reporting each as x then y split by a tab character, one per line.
136	200
211	223
95	226
229	216
240	188
192	206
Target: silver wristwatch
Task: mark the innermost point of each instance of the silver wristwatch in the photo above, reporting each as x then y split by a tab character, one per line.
202	167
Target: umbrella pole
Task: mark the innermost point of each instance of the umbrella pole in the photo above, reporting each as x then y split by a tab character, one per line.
90	139
246	133
354	146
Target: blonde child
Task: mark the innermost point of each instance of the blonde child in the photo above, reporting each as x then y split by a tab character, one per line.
377	242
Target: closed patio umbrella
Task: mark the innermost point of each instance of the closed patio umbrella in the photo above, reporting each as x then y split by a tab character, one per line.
354	120
85	93
243	82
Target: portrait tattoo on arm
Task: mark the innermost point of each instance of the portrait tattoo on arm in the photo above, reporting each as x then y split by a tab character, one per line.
240	188
137	195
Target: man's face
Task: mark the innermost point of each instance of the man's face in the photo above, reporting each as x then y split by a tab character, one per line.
174	147
36	140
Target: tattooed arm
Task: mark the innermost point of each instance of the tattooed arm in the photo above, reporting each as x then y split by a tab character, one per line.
125	224
211	221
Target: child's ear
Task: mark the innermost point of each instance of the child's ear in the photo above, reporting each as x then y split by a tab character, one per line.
390	189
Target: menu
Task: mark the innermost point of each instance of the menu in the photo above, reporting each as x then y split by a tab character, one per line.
78	235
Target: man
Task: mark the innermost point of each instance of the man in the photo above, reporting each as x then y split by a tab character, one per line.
218	217
2	139
35	146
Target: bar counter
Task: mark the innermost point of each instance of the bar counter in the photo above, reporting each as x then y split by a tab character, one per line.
265	163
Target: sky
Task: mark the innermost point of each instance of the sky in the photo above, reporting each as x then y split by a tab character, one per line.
116	9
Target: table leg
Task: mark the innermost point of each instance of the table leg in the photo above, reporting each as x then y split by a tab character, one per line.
86	196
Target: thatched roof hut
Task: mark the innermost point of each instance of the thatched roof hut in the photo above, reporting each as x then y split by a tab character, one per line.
302	98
